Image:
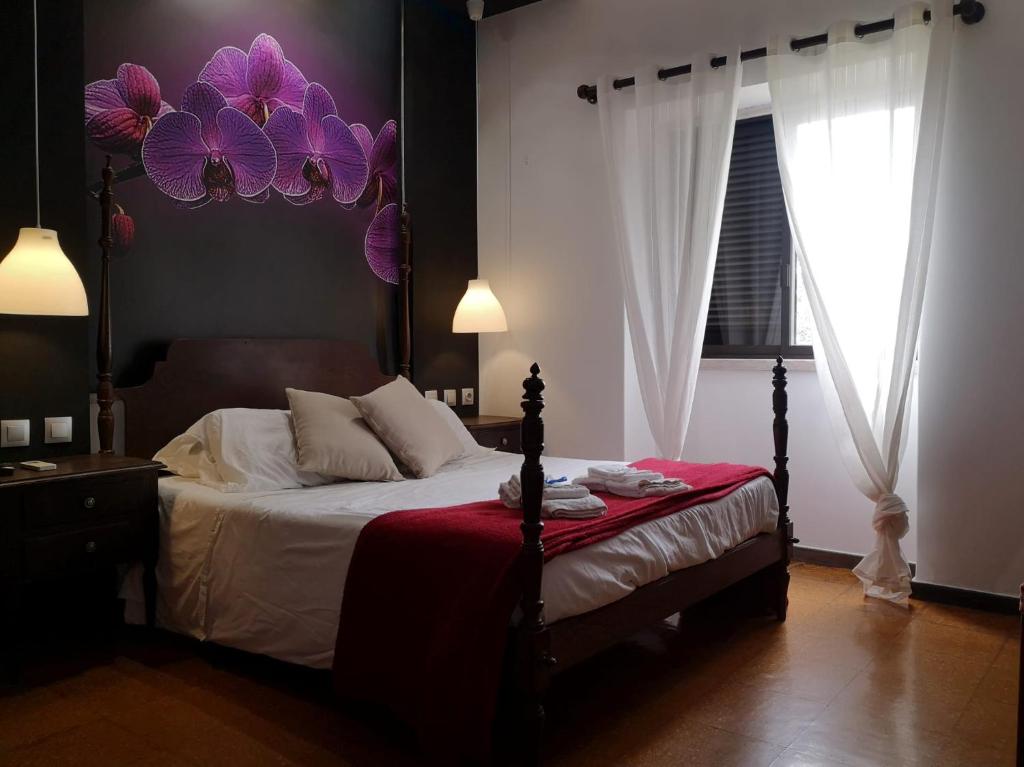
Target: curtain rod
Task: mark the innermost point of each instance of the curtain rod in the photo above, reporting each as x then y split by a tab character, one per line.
969	11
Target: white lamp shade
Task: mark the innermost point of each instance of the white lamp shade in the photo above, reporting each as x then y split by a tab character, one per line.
479	311
37	278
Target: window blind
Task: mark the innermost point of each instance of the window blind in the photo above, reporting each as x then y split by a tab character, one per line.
750	297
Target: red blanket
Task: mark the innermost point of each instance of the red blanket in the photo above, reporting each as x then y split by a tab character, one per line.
430	593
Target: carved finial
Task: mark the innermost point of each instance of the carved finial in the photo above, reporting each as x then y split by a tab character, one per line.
533	386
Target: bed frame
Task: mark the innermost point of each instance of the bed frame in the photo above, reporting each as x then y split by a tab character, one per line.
199	376
539	648
203	375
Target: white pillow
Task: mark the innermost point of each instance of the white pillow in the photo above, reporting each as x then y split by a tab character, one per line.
239	450
469	444
332	439
412	430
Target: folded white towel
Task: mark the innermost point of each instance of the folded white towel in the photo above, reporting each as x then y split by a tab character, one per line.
594	484
645	488
616	473
574	508
561	492
637	485
511	493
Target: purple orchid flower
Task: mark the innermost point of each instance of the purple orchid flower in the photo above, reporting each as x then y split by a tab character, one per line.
120	112
381	157
259	82
382	244
209	151
316	151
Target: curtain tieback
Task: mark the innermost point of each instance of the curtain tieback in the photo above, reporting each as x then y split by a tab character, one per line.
891	516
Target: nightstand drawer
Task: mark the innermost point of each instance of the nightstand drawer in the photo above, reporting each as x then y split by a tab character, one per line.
506	439
85	500
82	549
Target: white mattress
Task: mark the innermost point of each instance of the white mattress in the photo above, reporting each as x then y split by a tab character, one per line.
265	572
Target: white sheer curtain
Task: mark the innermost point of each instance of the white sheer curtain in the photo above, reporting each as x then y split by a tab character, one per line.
858	131
667	147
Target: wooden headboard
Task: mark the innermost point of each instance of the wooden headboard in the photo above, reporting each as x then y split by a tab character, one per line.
202	375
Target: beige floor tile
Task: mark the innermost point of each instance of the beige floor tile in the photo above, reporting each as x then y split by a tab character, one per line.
960	753
865	704
774	717
975	620
1000	684
988	722
703	746
1009	655
97	744
869	743
793	758
31	715
964	643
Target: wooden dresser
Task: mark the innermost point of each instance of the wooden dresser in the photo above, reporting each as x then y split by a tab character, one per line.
91	512
499	431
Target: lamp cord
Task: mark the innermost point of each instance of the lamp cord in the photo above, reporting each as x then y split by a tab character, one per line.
35	83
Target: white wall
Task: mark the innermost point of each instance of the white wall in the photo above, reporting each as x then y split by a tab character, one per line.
972	355
560	286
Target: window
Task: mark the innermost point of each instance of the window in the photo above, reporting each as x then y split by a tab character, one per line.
757	308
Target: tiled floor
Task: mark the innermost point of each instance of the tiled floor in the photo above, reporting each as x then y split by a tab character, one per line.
842	682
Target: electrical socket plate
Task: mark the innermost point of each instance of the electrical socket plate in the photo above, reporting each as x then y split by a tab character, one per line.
14	433
57	430
430	394
468	397
449	397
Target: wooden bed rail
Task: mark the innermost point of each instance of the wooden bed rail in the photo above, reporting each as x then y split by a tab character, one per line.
533	654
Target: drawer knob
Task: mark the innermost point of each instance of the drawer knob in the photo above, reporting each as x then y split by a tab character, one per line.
504	441
89	503
90	547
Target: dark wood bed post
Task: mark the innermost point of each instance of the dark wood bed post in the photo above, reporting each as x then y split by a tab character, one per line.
104	348
405	286
535	660
780	431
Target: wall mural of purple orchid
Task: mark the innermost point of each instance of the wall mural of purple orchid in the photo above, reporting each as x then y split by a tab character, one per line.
249	124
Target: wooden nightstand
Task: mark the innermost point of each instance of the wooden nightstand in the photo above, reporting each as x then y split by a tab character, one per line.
500	431
91	512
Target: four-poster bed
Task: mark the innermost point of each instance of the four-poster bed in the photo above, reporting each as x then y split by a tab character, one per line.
200	376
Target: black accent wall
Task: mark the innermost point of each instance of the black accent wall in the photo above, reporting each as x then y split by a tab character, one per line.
440	144
46	364
44	368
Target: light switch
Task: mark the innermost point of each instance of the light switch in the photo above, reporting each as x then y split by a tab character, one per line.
57	430
14	433
430	394
468	396
449	397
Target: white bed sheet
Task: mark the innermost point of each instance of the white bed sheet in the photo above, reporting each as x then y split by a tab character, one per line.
265	572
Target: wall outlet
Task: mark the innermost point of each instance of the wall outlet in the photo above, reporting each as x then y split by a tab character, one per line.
449	397
57	430
14	433
430	394
468	396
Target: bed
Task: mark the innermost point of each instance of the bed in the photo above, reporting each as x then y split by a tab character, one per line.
264	572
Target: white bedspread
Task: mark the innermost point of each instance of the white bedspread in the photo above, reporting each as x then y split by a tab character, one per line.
265	572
